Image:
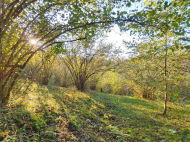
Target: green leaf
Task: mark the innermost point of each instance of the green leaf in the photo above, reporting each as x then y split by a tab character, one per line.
58	50
178	33
59	45
188	22
184	39
86	34
175	24
179	20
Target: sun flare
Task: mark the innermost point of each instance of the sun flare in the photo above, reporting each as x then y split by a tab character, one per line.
33	41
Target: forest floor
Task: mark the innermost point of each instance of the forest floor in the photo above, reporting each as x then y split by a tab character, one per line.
55	114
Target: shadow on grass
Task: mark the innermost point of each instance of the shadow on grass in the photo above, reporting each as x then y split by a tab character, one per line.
55	113
37	117
115	100
138	118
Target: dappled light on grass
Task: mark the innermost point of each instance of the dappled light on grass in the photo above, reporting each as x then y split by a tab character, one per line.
39	100
52	113
55	113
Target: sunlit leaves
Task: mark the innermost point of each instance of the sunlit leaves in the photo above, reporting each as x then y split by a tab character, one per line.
179	20
164	17
174	97
175	24
58	49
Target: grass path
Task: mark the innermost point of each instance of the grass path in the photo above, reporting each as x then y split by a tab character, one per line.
51	113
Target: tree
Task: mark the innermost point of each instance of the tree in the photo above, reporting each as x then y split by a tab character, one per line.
83	60
46	71
156	71
1	48
62	77
143	71
161	19
38	20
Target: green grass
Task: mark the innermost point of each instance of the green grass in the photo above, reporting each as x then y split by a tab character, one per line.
51	113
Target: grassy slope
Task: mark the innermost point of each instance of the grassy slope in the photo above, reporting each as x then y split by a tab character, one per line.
52	113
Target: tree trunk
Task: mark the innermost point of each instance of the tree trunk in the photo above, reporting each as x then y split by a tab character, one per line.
1	49
5	94
165	78
5	97
64	83
80	84
101	90
46	73
45	80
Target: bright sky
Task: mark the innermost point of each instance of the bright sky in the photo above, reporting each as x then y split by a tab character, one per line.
116	37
